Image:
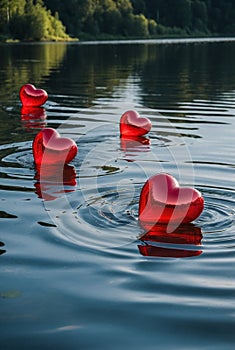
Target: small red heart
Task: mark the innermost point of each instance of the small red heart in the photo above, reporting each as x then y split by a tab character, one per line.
50	148
30	96
163	201
131	124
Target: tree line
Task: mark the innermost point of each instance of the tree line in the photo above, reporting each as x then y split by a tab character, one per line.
30	20
51	19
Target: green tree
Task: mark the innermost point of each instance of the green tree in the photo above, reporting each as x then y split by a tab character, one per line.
8	10
118	16
178	13
141	25
139	6
125	7
137	26
106	11
199	15
35	22
75	14
111	21
152	27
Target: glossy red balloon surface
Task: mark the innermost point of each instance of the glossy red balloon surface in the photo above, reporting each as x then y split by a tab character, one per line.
30	96
163	201
131	124
50	148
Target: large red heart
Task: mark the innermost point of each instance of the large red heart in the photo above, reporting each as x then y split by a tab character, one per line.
131	124
163	201
30	96
50	148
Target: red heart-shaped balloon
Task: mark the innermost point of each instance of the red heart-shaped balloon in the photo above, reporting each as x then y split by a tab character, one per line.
30	96
163	201
131	124
50	148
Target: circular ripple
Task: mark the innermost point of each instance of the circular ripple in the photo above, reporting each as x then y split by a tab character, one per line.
17	167
103	211
113	209
219	211
218	221
108	218
18	153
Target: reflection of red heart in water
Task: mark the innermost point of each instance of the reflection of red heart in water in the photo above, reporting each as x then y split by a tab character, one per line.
163	201
134	145
30	96
33	117
186	234
2	251
53	181
30	113
50	148
131	124
150	250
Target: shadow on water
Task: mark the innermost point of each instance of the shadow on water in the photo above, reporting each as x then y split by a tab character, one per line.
2	251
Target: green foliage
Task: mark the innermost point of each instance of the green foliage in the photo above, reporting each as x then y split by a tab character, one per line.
152	27
118	17
139	26
31	20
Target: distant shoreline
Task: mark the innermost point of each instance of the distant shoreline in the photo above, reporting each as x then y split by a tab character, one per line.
159	40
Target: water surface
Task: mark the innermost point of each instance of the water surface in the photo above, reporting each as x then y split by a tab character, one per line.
76	270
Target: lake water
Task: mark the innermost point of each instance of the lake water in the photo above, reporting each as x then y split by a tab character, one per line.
76	271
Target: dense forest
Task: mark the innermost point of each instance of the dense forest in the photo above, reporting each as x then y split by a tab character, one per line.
52	19
29	20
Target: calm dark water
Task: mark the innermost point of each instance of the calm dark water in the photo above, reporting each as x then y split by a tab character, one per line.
73	274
